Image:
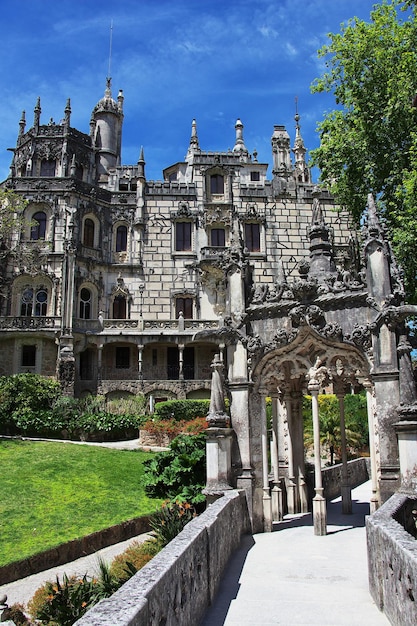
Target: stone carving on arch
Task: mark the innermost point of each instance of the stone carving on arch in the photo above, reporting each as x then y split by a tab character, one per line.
285	367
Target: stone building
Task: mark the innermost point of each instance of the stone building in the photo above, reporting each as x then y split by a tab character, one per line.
123	285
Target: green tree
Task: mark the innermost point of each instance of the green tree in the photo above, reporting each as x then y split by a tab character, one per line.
369	142
356	424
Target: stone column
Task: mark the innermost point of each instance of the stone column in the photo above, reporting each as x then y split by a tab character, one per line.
319	502
297	436
181	361
345	487
266	498
406	430
290	483
140	361
99	363
277	508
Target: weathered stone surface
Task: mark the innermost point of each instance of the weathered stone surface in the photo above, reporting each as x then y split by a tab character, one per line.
392	561
179	583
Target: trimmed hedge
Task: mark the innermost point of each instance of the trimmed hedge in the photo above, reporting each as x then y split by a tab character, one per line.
181	409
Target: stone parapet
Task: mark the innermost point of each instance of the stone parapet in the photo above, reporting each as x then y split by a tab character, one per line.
181	581
392	561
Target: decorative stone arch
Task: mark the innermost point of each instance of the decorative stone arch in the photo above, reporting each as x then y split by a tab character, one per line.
285	373
288	365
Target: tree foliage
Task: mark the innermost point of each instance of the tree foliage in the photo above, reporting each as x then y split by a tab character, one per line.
369	142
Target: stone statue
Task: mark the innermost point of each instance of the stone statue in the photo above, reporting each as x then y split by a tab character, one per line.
217	416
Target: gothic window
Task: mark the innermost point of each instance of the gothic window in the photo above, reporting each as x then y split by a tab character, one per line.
119	308
88	236
217	237
184	306
253	237
41	303
122	357
38	229
26	303
182	236
217	184
121	239
28	356
85	304
48	168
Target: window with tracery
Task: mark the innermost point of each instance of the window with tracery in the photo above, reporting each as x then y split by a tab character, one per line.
119	308
34	302
85	304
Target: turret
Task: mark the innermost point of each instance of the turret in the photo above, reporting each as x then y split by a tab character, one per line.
106	131
37	115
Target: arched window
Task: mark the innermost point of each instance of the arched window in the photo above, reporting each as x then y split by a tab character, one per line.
48	168
41	303
121	239
119	308
88	236
34	302
26	302
85	304
38	229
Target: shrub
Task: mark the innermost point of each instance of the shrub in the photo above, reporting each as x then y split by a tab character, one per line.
26	401
169	521
15	613
178	474
63	603
130	561
173	428
181	409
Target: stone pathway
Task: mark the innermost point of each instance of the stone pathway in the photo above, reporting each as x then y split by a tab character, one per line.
293	578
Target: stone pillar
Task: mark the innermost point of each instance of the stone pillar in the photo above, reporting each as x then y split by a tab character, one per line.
277	508
297	436
345	487
319	502
99	363
181	361
266	498
290	483
140	361
370	404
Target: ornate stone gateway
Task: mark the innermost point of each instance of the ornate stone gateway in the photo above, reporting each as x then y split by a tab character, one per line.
332	327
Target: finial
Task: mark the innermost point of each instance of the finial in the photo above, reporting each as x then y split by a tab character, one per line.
22	123
37	112
68	112
141	164
194	138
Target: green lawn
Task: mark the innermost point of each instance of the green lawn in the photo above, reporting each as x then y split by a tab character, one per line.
54	492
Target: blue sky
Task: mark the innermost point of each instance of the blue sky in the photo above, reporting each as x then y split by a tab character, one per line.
213	60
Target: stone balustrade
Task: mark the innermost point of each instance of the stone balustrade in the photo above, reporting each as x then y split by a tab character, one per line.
180	582
392	561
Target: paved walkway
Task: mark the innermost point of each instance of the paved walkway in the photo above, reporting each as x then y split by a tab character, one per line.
294	578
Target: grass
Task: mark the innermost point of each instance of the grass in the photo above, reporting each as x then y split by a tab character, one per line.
55	492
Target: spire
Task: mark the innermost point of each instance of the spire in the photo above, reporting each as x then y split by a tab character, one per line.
68	113
302	173
141	164
194	145
239	144
37	113
22	124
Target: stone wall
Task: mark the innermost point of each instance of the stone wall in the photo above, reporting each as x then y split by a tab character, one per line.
392	562
180	582
358	473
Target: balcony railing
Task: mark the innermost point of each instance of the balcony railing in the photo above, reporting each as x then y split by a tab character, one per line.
29	323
